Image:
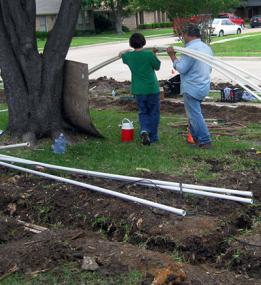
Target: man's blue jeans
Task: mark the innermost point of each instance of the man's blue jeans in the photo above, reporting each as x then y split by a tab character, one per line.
198	126
149	114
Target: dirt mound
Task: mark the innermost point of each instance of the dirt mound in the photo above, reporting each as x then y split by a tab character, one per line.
51	248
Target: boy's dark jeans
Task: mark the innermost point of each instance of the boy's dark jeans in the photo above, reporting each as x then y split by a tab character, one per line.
149	114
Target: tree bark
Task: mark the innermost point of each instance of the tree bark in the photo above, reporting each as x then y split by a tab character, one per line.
33	82
118	13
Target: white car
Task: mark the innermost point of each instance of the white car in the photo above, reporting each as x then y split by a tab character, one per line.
222	27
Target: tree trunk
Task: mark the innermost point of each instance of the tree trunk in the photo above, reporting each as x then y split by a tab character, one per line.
33	82
118	13
118	22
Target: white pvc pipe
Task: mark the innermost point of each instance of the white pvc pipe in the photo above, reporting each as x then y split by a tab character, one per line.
15	145
172	186
99	189
221	67
2	111
207	194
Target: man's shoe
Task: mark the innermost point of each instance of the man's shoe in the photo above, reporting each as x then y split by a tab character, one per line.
205	146
145	139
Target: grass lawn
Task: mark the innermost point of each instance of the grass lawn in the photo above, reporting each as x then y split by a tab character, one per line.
171	155
250	46
70	275
110	37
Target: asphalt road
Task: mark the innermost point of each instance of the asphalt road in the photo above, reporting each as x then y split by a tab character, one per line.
93	55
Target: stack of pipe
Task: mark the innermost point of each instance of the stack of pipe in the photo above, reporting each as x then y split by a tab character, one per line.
207	191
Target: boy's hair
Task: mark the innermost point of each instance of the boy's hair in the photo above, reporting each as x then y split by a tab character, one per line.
137	40
192	30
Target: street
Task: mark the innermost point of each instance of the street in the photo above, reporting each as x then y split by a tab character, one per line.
93	55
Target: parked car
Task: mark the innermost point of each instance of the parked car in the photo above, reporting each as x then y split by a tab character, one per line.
222	27
233	18
255	21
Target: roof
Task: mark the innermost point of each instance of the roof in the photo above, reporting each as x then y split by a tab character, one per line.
251	3
48	7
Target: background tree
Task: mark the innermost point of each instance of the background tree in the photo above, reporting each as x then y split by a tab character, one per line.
119	9
186	8
33	82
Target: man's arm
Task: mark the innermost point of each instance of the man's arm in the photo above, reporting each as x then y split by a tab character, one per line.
183	64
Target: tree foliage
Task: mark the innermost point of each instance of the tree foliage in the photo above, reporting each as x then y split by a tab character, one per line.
185	8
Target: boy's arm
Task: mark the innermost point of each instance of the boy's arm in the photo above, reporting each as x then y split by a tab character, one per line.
122	55
155	61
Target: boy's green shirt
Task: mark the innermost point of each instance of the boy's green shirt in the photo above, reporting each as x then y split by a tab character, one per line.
143	64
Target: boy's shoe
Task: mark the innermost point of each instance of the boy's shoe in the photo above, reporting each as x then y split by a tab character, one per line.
205	146
145	139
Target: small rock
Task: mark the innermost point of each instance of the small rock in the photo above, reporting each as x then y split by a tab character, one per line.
89	264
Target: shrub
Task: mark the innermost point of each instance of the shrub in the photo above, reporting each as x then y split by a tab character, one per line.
41	35
155	25
125	29
102	23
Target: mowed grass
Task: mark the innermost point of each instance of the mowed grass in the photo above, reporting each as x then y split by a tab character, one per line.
110	37
71	275
250	46
172	155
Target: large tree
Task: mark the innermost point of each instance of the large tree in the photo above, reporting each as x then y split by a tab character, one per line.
33	81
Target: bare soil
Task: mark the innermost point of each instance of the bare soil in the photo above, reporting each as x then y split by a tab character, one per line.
122	236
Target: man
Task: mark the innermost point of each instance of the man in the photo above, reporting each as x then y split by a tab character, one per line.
195	83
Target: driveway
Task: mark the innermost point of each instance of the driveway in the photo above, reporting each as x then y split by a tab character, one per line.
93	55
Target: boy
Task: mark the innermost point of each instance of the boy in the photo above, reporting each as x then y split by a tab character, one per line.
145	86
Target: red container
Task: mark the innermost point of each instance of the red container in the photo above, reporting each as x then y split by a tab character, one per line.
127	131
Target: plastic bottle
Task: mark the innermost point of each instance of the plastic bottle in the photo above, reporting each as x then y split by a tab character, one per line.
113	93
59	146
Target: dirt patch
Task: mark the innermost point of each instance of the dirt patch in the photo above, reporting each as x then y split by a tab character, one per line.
10	230
244	253
51	248
200	237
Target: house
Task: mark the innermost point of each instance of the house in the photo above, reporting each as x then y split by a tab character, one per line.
47	11
249	8
145	17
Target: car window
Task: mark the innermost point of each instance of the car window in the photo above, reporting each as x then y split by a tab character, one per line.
225	22
216	22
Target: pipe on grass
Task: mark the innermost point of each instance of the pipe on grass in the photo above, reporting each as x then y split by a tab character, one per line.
99	189
172	186
15	145
2	111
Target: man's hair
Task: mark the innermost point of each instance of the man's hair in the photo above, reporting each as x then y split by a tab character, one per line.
137	40
191	30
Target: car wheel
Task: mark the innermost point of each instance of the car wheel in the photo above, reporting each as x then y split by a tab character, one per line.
252	26
238	31
221	33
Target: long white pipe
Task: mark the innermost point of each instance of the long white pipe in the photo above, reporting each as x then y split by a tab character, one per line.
226	69
221	66
2	111
99	189
15	145
172	186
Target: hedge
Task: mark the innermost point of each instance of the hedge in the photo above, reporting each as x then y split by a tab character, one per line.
155	25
